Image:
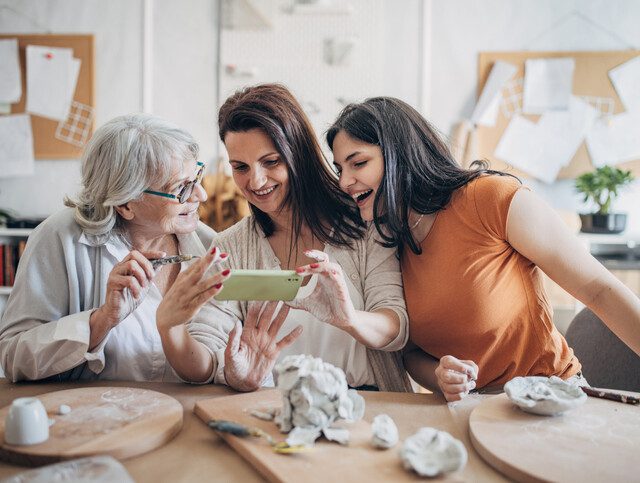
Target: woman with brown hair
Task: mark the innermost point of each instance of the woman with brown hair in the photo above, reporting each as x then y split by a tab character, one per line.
354	317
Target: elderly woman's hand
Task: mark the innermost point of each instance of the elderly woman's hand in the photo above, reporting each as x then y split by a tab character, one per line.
252	351
127	285
330	301
191	290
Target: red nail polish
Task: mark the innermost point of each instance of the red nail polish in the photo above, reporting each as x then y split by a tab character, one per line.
226	272
224	255
218	285
314	265
213	250
299	270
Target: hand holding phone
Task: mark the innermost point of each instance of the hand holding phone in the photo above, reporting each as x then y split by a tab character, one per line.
260	285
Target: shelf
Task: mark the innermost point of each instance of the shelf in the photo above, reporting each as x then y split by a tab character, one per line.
5	290
16	232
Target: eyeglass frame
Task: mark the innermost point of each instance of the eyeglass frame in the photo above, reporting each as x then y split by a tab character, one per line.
187	189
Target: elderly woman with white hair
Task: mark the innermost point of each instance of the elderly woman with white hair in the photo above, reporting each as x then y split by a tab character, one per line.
87	301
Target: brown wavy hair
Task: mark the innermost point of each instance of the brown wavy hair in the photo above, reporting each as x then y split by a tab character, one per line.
314	197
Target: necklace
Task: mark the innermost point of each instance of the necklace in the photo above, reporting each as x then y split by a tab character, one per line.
417	221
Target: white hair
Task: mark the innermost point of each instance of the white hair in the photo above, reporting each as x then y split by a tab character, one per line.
126	156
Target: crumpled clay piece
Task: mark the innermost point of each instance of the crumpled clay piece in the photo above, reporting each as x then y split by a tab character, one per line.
339	435
264	414
302	436
385	432
547	396
430	452
315	394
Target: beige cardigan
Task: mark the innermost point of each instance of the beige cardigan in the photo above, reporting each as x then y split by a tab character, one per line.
373	270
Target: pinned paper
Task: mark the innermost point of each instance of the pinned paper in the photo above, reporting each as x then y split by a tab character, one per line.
10	78
542	149
615	140
626	80
486	110
548	84
16	146
52	74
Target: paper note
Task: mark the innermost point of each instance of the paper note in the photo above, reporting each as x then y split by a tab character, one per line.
542	149
10	78
547	84
615	140
626	80
486	110
16	146
52	74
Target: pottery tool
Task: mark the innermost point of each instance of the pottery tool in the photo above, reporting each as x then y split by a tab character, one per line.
243	431
158	262
612	396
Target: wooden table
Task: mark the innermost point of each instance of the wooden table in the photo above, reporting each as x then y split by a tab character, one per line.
198	454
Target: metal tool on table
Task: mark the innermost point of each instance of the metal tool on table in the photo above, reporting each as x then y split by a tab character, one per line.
612	396
243	431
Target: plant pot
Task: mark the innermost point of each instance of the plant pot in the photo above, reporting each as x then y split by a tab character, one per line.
610	223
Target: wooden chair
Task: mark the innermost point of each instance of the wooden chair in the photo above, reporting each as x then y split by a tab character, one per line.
225	205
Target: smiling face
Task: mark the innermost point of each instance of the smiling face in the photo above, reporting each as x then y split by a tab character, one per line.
360	166
258	169
154	216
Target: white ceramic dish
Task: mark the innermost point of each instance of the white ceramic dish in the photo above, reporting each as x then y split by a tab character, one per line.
27	422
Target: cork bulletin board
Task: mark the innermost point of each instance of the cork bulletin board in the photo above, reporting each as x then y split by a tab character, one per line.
590	78
45	144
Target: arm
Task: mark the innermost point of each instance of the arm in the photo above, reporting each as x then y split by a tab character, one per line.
536	231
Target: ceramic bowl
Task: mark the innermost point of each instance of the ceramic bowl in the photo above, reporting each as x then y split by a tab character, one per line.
26	422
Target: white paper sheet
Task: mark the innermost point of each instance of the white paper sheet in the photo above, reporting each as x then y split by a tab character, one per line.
616	140
5	108
542	149
547	84
52	74
16	146
486	110
626	80
10	78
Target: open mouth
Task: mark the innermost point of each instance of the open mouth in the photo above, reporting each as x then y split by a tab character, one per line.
362	196
264	192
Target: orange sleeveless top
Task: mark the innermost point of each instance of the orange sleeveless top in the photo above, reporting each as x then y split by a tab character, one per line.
470	294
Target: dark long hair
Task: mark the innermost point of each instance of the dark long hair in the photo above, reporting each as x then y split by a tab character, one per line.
420	173
314	197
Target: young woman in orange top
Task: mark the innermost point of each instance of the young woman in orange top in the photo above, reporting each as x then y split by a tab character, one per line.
472	244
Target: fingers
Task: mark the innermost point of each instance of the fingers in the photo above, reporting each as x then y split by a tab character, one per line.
456	377
136	257
267	314
468	368
473	370
321	268
281	316
253	312
317	255
233	346
197	270
288	339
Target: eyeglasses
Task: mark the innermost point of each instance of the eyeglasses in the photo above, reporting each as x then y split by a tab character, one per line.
187	189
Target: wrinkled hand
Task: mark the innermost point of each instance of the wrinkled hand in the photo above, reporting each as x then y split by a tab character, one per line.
252	350
330	301
456	377
190	291
127	285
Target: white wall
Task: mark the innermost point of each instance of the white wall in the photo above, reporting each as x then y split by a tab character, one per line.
183	82
460	29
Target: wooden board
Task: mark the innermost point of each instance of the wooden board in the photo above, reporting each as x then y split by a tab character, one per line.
590	78
332	462
45	144
117	421
597	442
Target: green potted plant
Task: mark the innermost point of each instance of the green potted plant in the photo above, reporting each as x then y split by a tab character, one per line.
601	188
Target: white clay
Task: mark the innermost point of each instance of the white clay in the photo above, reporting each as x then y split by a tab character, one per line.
547	396
96	469
385	432
339	435
302	437
430	452
314	395
265	415
26	422
63	409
